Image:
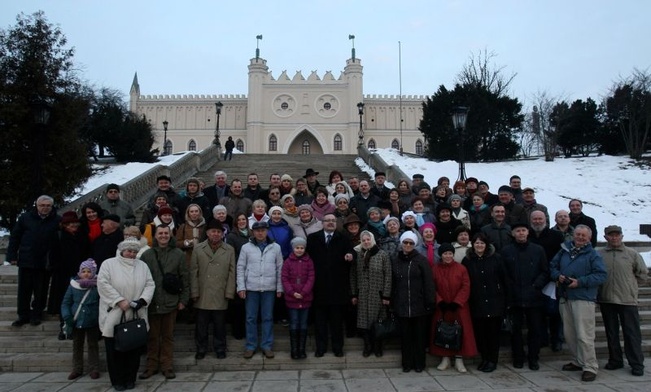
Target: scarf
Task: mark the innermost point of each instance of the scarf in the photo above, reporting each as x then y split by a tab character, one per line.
196	230
430	254
87	283
379	227
94	229
293	211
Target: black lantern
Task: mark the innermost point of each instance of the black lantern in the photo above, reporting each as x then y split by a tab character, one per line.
218	110
360	109
165	148
459	117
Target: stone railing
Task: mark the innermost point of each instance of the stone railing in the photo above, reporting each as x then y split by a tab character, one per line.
140	189
393	172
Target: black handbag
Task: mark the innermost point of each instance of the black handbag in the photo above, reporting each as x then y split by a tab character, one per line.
448	335
130	335
386	326
171	282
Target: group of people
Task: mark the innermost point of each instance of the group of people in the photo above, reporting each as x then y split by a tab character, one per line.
346	253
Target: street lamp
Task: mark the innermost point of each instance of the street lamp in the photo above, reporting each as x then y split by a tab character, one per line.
459	117
41	116
218	108
360	109
165	151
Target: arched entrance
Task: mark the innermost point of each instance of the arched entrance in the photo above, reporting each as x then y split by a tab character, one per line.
306	144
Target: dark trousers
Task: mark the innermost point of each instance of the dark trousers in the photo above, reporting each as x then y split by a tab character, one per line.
328	320
487	336
122	366
160	341
228	155
628	316
204	318
91	335
534	317
237	317
32	284
412	332
552	331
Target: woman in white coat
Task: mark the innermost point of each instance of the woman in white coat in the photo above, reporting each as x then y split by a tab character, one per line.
124	284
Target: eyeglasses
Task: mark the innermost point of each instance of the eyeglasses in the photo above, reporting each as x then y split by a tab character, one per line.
410	243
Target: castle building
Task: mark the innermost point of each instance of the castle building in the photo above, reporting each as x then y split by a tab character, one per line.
283	115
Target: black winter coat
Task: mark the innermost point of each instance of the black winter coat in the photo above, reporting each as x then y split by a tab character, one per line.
331	270
487	283
583	219
527	272
549	239
445	230
105	246
413	290
32	239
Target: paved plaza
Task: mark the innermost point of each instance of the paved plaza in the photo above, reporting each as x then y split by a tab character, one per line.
549	378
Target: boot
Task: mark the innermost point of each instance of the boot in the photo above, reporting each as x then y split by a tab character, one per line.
445	363
302	338
458	364
377	348
293	341
367	343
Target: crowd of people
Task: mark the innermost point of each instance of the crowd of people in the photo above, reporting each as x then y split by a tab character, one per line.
342	254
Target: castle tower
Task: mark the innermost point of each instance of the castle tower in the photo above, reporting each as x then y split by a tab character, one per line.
134	94
354	76
258	75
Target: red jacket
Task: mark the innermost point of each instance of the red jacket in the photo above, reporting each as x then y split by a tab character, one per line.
297	276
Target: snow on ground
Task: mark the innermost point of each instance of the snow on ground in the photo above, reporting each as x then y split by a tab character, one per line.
613	189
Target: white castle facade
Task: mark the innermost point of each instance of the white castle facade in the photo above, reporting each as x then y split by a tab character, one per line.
283	115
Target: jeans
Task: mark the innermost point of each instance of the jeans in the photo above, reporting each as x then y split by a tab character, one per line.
298	318
262	303
228	154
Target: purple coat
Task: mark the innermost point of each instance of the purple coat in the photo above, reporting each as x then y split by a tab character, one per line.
298	277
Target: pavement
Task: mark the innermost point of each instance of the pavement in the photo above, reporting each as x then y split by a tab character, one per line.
548	379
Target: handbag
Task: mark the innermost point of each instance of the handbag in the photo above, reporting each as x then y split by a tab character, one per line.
448	335
385	327
130	335
171	282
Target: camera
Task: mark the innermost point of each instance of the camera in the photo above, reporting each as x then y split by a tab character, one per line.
566	281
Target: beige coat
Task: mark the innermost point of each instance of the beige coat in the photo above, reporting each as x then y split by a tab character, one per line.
212	276
626	269
121	278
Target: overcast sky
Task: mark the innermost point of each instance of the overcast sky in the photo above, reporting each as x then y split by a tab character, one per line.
571	49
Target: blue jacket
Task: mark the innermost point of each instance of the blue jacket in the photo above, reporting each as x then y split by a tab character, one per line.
89	315
587	267
282	234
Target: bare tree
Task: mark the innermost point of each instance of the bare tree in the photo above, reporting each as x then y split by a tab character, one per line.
482	73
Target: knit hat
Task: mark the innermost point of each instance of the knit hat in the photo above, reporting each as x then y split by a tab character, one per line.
69	217
446	247
304	207
165	210
484	183
471	179
454	196
427	225
112	217
112	186
275	208
90	265
424	185
407	213
340	196
298	241
409	235
286	177
390	218
285	197
129	243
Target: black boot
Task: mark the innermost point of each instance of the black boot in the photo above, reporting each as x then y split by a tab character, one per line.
377	347
302	339
293	341
367	343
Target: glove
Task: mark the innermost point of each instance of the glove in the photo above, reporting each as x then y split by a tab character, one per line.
138	304
453	306
444	306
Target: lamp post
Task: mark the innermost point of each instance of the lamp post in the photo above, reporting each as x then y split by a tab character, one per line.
360	109
165	152
459	117
41	115
218	109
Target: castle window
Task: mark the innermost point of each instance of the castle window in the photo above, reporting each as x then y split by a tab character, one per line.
306	147
395	144
192	145
338	146
371	144
419	147
169	147
284	106
239	144
273	143
327	106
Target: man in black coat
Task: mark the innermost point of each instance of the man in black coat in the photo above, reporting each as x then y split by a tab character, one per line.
360	204
31	241
551	241
515	213
577	217
219	190
527	272
105	246
332	254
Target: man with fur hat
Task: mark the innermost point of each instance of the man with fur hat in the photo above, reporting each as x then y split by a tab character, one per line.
106	244
112	204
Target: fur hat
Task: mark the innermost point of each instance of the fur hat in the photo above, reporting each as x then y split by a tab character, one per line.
304	207
129	243
390	218
406	214
340	196
275	208
286	177
285	197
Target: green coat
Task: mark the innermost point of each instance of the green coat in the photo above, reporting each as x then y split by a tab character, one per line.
173	261
212	276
